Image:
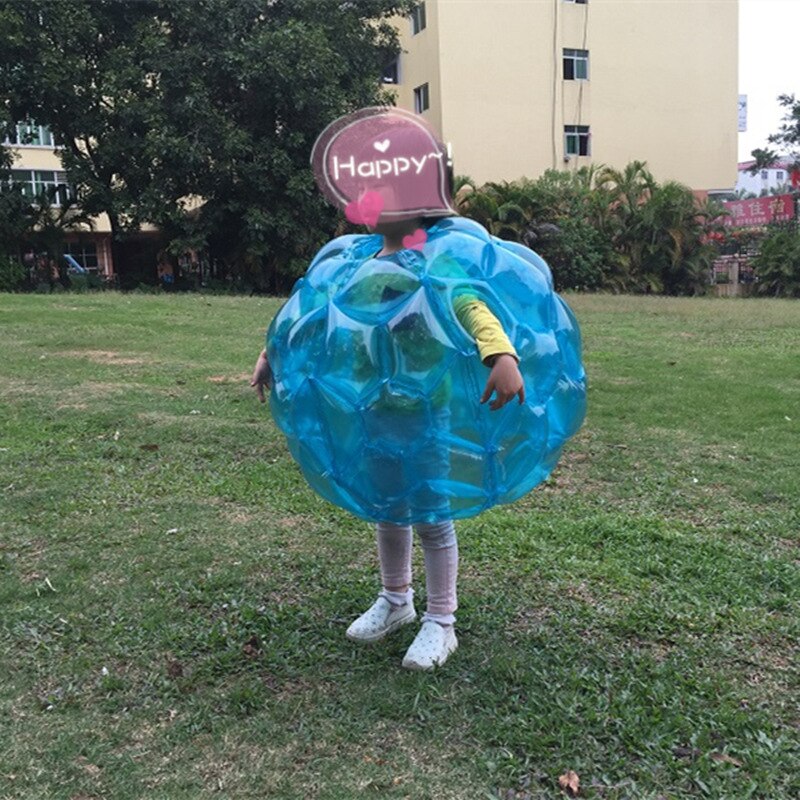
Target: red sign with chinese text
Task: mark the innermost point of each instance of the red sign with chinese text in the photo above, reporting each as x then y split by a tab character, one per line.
759	211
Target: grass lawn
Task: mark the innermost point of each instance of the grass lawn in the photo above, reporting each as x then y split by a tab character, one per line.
174	598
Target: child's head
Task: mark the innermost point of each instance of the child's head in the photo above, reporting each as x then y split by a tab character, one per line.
383	166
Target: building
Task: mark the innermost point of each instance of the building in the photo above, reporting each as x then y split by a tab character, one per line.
38	167
520	86
776	179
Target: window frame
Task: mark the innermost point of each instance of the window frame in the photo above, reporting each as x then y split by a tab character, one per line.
78	250
21	130
578	134
422	92
34	182
419	20
395	66
573	56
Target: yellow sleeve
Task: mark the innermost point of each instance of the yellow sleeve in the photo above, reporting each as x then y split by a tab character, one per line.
482	326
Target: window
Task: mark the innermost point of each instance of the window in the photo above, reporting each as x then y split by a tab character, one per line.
85	253
22	178
34	182
576	65
29	134
421	99
779	176
576	140
391	73
764	174
418	21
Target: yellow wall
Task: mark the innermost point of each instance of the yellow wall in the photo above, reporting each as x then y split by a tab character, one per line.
420	64
44	158
662	84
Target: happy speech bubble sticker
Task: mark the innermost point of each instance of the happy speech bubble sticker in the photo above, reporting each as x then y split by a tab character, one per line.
383	159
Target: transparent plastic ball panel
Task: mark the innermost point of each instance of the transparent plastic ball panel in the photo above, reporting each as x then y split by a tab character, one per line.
377	291
350	363
377	384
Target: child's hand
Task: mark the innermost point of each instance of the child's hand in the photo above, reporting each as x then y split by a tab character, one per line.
505	380
262	376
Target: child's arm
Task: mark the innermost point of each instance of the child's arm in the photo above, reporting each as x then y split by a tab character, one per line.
262	376
495	348
505	380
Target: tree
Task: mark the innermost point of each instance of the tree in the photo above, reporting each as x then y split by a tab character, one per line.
256	116
788	135
675	252
627	191
49	222
158	102
777	263
78	67
762	159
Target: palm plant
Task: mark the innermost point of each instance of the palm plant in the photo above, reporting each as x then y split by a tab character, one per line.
602	228
675	256
777	264
762	159
50	222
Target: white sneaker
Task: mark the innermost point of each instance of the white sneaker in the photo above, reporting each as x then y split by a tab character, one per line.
380	620
433	645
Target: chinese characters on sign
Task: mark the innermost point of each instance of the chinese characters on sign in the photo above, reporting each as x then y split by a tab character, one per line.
760	211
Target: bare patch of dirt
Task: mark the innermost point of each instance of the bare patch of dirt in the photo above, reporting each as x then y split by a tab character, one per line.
792	545
107	357
618	381
571	476
579	591
660	650
244	376
296	522
68	396
775	653
238	516
527	620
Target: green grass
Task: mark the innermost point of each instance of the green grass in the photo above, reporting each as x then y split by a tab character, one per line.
174	597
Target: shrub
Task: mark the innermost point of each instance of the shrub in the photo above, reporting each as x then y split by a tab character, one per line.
777	264
601	228
12	274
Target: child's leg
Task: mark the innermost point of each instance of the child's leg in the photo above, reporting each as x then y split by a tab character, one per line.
441	570
394	552
394	606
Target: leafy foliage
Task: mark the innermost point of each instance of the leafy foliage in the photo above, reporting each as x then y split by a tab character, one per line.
12	273
161	102
602	228
762	159
777	263
788	135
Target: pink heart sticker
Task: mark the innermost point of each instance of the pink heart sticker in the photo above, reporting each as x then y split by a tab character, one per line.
352	213
416	240
370	204
366	210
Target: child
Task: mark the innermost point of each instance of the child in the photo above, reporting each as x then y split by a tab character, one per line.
375	383
394	606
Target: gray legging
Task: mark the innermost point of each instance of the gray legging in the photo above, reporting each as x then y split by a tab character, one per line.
438	540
